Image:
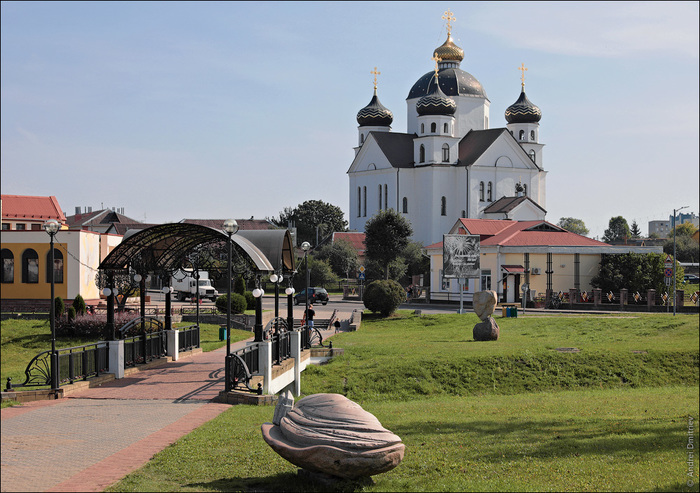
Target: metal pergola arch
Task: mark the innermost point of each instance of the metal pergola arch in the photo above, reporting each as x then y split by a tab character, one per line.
165	246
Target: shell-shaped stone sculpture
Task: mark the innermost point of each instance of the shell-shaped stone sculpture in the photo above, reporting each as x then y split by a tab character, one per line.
331	434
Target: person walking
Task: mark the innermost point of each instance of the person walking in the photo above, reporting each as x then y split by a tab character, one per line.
309	316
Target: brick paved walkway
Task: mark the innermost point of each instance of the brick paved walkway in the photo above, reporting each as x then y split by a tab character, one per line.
95	437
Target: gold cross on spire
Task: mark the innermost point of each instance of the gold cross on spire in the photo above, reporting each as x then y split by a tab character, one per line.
449	17
437	60
375	72
522	74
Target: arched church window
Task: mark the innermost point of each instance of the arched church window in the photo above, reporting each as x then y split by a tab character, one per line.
481	191
57	266
433	128
386	196
30	266
443	206
445	153
532	155
380	197
359	202
445	129
490	192
8	266
364	201
421	157
522	135
422	128
532	135
405	205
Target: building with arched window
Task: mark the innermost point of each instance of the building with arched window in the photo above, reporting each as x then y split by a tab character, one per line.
461	164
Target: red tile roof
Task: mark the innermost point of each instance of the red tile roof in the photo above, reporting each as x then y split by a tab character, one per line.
357	240
25	207
502	232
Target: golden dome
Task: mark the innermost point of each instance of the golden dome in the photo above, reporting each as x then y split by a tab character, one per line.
450	51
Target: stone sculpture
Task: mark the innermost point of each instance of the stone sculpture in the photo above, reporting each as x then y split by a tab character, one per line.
330	434
484	305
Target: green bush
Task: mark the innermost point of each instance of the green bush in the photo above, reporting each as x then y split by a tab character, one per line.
71	313
384	297
79	305
238	303
250	300
59	306
239	286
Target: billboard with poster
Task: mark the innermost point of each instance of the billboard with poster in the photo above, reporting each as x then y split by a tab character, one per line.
461	256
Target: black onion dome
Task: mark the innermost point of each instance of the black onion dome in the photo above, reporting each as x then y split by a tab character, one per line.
375	114
436	103
523	111
453	82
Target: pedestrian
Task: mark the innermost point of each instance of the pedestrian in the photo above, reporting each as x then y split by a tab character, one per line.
336	324
309	316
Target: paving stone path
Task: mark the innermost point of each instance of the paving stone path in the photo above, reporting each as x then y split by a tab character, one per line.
93	438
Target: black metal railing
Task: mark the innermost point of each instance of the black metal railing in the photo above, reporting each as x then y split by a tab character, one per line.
74	363
242	364
188	338
281	347
144	348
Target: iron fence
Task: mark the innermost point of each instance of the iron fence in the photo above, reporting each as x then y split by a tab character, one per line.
188	338
281	347
144	348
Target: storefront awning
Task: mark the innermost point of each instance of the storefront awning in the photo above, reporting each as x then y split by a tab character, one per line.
513	269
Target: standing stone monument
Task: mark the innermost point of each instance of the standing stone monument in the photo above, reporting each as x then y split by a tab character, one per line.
330	434
484	306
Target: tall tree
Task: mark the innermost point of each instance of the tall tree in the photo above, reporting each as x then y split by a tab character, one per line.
386	237
310	216
618	230
634	230
341	256
574	225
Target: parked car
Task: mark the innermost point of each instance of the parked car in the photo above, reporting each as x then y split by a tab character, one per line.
316	295
691	278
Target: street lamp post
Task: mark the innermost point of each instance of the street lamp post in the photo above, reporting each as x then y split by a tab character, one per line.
52	226
675	211
230	226
258	327
305	246
277	279
290	309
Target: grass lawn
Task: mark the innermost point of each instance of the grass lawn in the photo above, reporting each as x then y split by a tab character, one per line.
511	415
587	440
23	339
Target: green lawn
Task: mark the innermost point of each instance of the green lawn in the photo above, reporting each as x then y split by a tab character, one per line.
24	339
510	415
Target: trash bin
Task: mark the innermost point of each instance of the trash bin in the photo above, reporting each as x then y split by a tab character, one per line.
222	333
514	312
505	312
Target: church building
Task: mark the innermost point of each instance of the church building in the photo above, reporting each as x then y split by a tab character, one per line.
449	163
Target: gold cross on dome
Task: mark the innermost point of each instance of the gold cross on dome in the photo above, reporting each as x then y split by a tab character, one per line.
522	73
375	72
449	17
437	60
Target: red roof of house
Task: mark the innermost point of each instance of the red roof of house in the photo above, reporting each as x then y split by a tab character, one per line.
357	240
501	232
25	207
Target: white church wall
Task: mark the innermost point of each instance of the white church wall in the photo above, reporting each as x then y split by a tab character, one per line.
472	114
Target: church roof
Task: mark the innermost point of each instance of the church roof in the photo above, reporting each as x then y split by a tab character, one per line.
507	204
523	111
436	102
375	114
453	82
475	143
397	147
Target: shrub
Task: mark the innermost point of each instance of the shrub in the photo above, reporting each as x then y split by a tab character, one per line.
59	306
71	313
91	326
384	297
238	303
239	286
79	305
250	300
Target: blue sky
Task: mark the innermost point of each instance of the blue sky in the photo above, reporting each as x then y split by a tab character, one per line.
204	110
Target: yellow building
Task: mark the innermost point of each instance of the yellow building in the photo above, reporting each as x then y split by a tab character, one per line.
513	253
